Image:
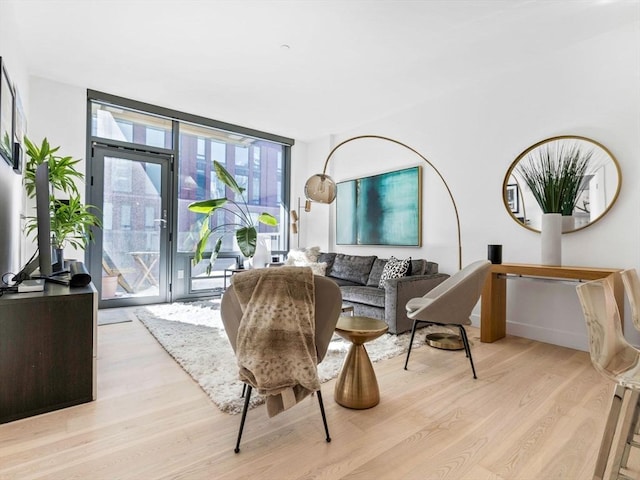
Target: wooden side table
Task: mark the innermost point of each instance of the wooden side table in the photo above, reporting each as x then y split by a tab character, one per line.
493	312
357	386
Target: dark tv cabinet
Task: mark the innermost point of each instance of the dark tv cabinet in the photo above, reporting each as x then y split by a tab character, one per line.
48	343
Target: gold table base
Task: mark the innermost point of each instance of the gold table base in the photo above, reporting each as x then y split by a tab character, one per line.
445	341
357	386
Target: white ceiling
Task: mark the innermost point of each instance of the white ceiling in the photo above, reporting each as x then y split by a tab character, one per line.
348	61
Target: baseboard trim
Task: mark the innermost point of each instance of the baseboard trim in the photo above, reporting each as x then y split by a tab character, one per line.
562	338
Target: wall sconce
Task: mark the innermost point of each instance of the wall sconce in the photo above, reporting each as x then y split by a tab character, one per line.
295	219
321	187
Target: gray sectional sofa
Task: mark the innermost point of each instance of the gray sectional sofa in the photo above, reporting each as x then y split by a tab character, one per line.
359	276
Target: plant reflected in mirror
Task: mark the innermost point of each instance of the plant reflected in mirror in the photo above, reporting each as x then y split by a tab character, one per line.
575	176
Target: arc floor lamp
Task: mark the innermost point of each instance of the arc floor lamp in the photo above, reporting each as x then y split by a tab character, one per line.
321	187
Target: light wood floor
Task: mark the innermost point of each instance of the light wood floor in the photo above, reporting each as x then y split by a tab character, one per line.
536	411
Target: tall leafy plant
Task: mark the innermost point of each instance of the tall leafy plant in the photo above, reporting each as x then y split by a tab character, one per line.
63	174
555	176
243	226
71	220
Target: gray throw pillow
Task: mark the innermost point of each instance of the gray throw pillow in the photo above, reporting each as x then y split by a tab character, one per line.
376	272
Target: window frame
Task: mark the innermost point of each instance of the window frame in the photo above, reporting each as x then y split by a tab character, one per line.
180	288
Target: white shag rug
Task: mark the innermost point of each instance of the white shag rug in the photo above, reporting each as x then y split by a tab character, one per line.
193	334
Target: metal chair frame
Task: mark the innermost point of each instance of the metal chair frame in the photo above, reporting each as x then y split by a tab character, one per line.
463	336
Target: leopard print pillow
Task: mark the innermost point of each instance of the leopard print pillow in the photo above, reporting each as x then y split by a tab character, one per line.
394	269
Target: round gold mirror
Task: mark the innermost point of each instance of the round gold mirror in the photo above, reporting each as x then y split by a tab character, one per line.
591	168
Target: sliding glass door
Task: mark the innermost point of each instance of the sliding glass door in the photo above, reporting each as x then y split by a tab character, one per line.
147	165
132	249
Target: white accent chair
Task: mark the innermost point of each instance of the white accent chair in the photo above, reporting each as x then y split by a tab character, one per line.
450	303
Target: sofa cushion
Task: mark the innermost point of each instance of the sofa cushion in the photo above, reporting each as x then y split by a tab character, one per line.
367	295
418	267
342	283
355	268
376	272
394	269
327	258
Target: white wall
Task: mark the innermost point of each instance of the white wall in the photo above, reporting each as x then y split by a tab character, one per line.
473	135
58	112
11	191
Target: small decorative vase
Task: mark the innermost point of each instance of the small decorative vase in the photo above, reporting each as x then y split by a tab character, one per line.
262	255
551	243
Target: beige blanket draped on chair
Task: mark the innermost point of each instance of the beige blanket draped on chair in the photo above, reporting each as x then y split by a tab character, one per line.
276	339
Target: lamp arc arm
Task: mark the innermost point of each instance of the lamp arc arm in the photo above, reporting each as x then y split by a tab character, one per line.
446	185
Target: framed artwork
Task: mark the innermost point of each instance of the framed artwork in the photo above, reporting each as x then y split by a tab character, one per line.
513	197
383	209
7	108
20	130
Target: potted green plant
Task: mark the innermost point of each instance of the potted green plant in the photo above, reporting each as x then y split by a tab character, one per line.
71	220
555	176
244	226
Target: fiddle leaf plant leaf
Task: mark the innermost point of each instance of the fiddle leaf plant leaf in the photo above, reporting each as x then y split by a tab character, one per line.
226	178
207	206
247	239
268	219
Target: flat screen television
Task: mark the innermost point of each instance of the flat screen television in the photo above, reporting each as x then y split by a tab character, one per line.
46	259
44	220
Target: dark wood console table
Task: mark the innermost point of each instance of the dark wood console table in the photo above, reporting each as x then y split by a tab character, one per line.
47	350
493	315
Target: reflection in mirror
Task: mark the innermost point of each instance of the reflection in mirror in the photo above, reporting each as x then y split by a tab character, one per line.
598	189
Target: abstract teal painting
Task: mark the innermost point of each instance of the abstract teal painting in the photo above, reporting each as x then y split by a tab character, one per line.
380	210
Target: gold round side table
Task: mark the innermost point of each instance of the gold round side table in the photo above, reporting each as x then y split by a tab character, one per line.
357	386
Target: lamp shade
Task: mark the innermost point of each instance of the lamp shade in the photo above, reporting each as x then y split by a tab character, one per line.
320	188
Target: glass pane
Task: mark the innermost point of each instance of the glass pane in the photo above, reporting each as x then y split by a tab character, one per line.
217	280
132	228
262	177
124	125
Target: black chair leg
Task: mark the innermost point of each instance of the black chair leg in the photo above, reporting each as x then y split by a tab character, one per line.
244	390
413	334
244	416
324	417
467	348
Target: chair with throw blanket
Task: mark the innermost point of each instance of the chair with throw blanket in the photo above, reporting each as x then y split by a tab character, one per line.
450	303
280	322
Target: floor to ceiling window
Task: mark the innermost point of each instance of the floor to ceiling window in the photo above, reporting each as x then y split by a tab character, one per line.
148	233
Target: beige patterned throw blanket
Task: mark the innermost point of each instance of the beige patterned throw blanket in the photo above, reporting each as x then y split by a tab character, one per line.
276	339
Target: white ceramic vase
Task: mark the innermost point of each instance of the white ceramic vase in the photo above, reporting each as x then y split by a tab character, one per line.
262	256
551	241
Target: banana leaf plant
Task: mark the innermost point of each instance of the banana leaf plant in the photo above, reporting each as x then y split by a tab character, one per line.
243	226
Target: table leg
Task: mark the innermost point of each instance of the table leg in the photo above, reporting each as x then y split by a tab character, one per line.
357	386
493	312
